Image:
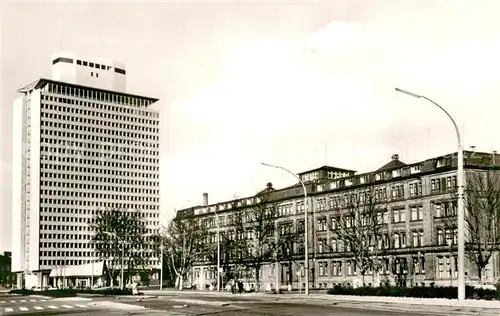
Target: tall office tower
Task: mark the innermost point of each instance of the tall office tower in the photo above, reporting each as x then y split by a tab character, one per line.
81	144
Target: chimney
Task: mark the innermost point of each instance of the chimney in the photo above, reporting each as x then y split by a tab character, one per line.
395	157
205	199
269	185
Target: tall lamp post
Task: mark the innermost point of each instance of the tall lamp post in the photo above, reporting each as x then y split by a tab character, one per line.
460	202
218	249
161	230
306	254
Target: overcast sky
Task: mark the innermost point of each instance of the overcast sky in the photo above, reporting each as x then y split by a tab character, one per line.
300	84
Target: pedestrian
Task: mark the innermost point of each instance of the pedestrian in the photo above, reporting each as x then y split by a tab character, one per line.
233	286
240	287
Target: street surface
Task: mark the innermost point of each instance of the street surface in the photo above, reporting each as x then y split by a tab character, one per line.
198	304
33	305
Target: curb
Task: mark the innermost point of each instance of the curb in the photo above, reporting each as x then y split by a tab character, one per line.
76	298
118	305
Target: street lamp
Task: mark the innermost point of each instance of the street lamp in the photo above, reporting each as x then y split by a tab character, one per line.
306	255
460	202
162	229
218	249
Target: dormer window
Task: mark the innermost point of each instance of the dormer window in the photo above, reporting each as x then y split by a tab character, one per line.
396	173
348	182
334	185
379	176
441	163
415	169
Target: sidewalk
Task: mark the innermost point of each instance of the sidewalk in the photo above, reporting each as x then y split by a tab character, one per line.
297	298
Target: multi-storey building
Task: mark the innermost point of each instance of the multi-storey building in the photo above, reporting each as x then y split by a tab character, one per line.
419	203
81	144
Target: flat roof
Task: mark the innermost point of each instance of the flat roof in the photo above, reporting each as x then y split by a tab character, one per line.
43	81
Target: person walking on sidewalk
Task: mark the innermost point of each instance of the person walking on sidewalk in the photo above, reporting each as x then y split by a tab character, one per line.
233	286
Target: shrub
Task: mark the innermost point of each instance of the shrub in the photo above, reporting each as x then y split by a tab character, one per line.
421	292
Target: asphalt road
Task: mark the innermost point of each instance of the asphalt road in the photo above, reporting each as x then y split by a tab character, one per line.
241	306
39	306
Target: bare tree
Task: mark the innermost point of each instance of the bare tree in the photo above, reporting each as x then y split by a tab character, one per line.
185	242
289	243
117	234
482	218
255	241
361	227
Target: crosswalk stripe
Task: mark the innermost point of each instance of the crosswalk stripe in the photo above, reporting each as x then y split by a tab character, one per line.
8	309
12	301
22	301
80	305
43	300
24	309
67	306
52	307
38	307
3	302
32	300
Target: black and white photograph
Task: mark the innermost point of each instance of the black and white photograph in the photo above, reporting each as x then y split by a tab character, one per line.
250	157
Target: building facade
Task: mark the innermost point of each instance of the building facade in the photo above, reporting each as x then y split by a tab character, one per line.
419	203
81	145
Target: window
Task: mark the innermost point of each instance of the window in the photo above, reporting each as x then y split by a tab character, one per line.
337	268
417	213
416	189
399	215
321	245
322	224
321	204
351	267
323	268
440	237
400	240
334	222
335	245
417	238
445	209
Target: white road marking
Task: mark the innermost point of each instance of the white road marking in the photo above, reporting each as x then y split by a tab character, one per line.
52	307
24	309
80	305
2	302
43	300
67	306
9	309
32	300
38	307
12	301
22	301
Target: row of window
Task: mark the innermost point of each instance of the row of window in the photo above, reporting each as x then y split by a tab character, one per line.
73	131
98	188
70	262
110	126
58	156
62	199
102	205
130	147
91	180
54	175
108	113
103	96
